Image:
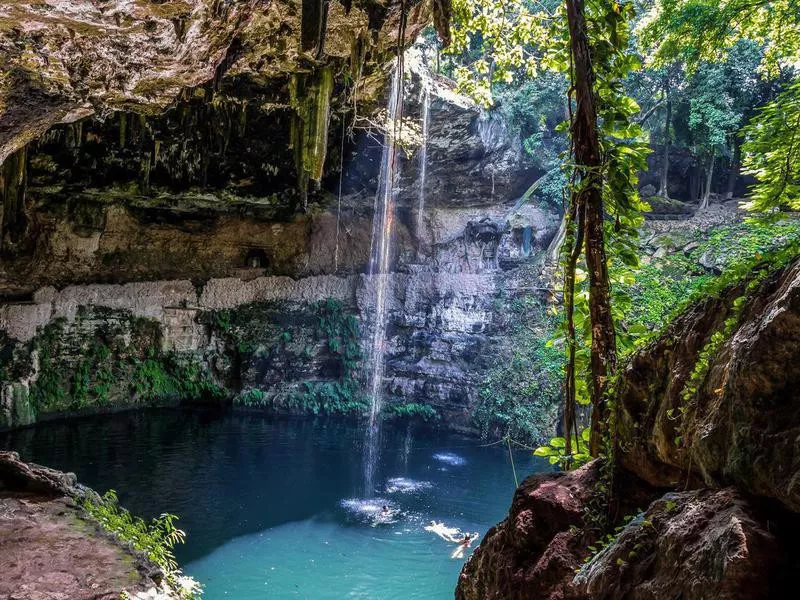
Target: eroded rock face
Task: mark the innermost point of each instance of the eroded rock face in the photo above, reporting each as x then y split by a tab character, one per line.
693	545
741	426
67	60
64	59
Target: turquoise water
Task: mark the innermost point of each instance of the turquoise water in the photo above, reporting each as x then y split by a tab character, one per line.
272	507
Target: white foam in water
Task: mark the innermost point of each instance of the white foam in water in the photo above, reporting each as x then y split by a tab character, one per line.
402	485
371	510
365	506
451	459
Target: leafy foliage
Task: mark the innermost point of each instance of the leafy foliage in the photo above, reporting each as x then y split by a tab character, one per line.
663	286
156	539
704	30
108	357
496	41
555	451
772	153
172	377
534	108
413	411
251	327
521	391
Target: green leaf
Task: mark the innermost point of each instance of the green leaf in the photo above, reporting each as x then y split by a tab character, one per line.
544	451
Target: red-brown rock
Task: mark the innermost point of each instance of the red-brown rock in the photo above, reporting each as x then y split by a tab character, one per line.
692	545
532	552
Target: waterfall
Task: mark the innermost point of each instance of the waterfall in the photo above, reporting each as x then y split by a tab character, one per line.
380	252
407	443
423	158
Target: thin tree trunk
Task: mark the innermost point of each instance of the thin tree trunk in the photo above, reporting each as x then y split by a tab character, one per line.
588	195
573	240
695	184
736	164
709	177
663	190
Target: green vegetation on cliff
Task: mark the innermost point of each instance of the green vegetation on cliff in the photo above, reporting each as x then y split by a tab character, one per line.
319	345
156	539
695	260
520	395
104	359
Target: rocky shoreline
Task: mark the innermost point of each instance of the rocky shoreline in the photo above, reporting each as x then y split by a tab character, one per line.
51	549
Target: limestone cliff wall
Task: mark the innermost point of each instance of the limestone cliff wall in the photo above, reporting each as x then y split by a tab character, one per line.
186	219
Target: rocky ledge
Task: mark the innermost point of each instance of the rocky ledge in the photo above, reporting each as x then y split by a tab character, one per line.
709	463
51	549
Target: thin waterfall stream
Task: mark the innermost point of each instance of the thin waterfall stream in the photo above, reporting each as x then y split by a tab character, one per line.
423	157
380	257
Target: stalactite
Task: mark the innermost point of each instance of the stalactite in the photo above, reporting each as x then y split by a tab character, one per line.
13	184
311	100
144	172
123	129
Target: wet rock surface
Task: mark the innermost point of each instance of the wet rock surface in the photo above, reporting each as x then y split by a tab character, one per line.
50	549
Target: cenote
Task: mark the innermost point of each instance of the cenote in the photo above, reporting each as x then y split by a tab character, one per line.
331	285
272	507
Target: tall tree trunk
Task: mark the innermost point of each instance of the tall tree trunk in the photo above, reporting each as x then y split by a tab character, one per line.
663	189
587	193
709	178
736	164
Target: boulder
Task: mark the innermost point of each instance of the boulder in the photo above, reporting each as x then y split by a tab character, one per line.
535	551
19	476
692	545
742	425
532	553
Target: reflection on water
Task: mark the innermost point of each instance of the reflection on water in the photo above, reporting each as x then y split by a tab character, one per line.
273	506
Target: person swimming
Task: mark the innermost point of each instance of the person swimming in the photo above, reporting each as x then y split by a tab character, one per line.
448	534
384	510
463	545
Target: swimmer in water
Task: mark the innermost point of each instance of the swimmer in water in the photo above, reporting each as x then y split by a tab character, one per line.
448	534
463	545
385	510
